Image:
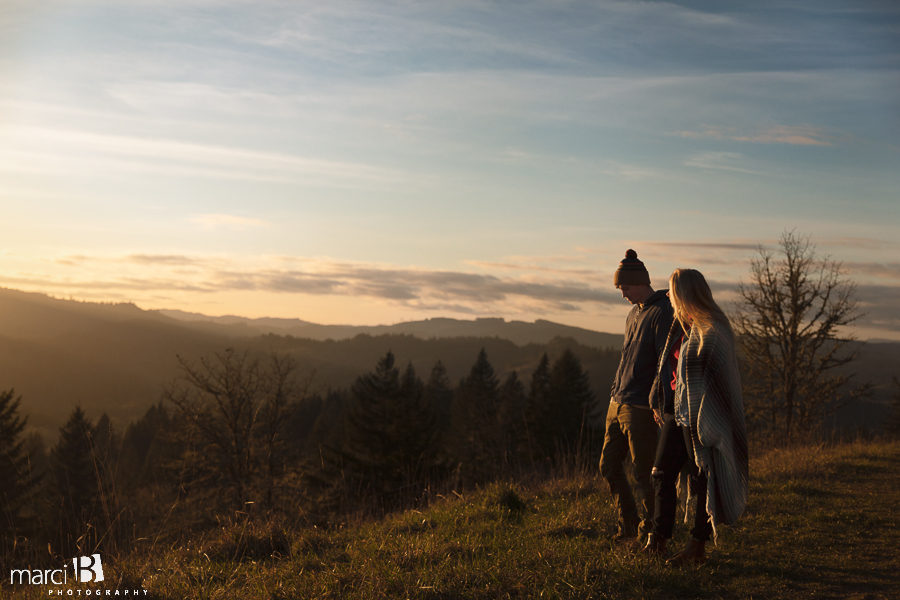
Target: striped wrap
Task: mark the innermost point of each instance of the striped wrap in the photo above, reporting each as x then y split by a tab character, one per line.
716	411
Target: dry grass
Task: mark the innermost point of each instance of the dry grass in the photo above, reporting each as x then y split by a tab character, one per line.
821	524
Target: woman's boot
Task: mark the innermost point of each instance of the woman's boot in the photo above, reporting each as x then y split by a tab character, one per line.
656	546
693	554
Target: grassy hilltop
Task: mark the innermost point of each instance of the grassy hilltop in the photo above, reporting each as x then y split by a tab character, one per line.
821	523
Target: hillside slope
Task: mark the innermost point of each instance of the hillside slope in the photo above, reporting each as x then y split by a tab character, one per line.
821	523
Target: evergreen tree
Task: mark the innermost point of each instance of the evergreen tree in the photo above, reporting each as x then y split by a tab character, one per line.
539	411
391	433
511	419
416	431
76	483
16	481
144	447
107	448
439	395
370	420
478	447
572	398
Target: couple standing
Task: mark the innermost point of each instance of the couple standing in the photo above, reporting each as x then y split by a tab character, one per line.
675	404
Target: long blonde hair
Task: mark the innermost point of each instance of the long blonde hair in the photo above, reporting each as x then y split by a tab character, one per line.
693	300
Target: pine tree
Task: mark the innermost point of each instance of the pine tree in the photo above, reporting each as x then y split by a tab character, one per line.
572	398
391	437
416	430
539	411
511	418
16	481
76	477
439	395
478	447
370	420
144	447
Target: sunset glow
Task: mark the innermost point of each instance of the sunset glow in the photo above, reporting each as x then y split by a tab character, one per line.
366	163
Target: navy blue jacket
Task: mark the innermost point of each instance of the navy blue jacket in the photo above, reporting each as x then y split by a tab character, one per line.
645	337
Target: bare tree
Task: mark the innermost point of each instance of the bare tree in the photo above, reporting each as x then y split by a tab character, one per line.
792	328
234	408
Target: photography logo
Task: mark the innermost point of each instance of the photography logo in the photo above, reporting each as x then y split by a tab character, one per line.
88	569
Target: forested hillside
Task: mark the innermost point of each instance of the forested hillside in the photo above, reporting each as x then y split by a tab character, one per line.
117	359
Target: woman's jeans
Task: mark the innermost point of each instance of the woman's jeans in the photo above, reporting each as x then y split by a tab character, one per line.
673	452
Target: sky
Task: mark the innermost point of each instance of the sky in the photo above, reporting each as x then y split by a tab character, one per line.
375	162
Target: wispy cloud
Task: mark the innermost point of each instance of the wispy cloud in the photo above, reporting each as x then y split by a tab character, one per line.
44	150
161	259
406	286
879	304
532	267
796	135
860	243
720	161
880	270
707	245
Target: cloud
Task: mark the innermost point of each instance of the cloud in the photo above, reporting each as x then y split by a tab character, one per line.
796	135
720	161
631	172
707	245
41	150
410	287
859	242
532	265
881	270
154	276
879	305
162	259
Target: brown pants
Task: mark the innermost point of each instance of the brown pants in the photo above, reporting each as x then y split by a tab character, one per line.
632	432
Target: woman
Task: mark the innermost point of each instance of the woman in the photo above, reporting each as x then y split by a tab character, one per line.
703	426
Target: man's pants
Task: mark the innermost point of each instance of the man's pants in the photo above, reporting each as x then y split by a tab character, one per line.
630	431
674	452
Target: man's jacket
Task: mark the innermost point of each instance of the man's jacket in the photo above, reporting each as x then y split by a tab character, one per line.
645	337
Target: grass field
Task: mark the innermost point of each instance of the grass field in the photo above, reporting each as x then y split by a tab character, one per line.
821	523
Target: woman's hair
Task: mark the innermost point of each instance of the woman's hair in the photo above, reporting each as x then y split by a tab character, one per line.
692	299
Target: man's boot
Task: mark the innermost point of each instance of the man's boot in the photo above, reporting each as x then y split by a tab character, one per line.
656	546
626	533
693	554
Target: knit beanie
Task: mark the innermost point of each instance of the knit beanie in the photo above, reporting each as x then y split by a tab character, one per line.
631	271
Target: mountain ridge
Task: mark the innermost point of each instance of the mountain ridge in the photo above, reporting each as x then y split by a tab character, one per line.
118	358
520	332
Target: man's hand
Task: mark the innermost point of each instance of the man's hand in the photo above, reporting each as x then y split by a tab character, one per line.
657	417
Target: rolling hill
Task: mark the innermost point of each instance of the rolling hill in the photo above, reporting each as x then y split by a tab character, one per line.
117	358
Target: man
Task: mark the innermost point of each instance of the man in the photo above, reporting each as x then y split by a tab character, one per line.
630	427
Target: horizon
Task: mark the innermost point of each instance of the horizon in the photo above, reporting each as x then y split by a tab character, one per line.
356	164
202	316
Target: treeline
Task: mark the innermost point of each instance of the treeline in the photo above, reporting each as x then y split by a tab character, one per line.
241	433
